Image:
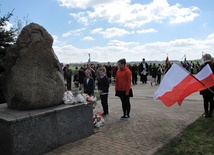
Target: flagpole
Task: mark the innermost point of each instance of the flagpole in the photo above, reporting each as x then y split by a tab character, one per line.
89	61
183	57
197	79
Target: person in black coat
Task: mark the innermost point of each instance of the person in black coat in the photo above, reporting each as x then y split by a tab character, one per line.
159	73
88	83
143	71
134	70
103	87
68	76
208	94
154	74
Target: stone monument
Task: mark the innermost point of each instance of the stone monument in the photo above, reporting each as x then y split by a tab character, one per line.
33	77
34	84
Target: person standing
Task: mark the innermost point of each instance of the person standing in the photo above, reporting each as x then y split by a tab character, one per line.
103	88
81	76
154	73
123	87
134	70
108	71
88	83
143	71
208	94
76	78
64	72
159	73
192	67
198	66
68	73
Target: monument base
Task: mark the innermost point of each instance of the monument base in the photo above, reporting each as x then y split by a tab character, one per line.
35	132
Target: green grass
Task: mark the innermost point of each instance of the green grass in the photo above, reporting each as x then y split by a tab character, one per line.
196	139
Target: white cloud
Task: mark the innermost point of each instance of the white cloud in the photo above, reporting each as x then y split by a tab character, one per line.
83	4
81	17
73	32
133	51
127	14
122	43
182	15
147	30
97	30
111	32
55	39
131	15
88	38
211	36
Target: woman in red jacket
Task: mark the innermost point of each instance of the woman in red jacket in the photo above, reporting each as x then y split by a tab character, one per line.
123	87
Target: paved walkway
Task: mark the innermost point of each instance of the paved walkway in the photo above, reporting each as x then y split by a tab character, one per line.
151	125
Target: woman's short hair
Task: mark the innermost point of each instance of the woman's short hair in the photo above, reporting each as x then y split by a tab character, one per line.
122	61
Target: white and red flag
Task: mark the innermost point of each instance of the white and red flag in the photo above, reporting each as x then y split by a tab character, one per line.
178	84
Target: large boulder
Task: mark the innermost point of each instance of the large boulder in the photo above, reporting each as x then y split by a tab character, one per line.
33	75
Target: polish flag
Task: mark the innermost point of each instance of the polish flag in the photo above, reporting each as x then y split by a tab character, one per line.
206	77
167	60
178	84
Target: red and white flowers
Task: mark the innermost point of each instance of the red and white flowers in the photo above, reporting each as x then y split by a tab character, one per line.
74	98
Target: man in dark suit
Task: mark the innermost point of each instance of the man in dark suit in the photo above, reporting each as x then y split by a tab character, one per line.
143	71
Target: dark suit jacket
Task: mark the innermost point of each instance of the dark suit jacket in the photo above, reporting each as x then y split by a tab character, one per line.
103	84
141	68
89	87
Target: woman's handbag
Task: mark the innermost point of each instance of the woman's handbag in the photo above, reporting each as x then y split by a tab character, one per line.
130	93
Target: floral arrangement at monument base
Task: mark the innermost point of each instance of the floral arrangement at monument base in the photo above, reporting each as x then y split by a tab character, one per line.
78	97
98	120
72	98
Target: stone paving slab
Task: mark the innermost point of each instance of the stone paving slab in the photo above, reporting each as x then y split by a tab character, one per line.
151	125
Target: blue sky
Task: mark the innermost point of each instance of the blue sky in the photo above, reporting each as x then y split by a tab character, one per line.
113	29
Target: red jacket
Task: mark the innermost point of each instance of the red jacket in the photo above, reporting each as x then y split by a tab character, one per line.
123	79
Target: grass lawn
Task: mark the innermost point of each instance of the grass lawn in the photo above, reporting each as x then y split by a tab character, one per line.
197	139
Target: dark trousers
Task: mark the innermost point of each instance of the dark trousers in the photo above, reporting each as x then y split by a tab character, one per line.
208	103
68	79
159	78
126	106
144	78
134	78
104	102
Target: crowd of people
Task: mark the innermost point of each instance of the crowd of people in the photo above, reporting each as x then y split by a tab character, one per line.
90	77
139	72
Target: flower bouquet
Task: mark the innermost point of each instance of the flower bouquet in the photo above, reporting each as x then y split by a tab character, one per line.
69	98
78	97
98	120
